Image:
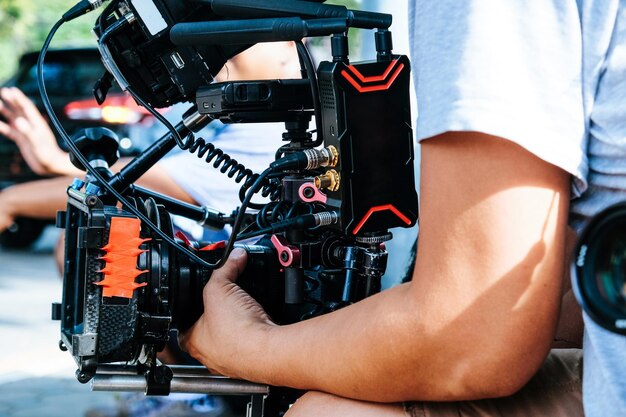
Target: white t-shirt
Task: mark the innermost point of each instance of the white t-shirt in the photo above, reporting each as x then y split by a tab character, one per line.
549	75
253	145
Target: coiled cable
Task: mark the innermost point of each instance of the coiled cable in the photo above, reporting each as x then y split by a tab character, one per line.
229	166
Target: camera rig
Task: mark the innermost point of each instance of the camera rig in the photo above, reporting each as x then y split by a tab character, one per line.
129	280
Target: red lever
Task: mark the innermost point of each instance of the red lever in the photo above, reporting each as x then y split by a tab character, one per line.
287	254
309	193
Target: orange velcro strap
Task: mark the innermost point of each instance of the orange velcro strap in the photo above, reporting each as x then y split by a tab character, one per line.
121	258
214	246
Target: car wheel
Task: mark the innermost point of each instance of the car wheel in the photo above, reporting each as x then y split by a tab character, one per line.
23	233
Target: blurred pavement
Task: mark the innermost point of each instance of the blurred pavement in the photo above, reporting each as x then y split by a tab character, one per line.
36	378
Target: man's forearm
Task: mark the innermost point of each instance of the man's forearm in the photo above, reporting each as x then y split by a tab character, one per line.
389	348
37	199
476	321
43	198
361	352
480	314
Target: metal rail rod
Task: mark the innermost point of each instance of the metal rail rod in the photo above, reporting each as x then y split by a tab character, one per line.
191	384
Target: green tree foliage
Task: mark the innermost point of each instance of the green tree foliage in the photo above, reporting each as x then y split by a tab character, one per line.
24	25
321	46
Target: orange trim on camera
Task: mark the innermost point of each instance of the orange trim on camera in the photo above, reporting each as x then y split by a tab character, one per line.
121	258
361	86
214	246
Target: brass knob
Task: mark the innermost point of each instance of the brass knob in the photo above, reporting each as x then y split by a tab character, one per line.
328	181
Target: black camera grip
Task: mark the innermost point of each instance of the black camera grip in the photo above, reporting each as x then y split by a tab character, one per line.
239	32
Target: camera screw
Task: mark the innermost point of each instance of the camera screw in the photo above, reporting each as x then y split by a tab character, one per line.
83	377
330	180
308	192
288	254
373	240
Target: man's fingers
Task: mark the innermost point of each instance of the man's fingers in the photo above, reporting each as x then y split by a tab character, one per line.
26	106
9	99
5	108
6	130
23	126
233	267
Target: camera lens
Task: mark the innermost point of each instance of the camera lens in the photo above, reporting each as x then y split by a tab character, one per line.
261	278
599	270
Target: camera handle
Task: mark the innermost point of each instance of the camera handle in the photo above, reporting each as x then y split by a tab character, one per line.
249	9
186	379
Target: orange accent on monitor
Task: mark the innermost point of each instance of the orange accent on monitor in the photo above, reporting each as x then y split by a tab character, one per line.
121	258
368	89
373	210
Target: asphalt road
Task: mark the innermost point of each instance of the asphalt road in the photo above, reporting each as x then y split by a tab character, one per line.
36	378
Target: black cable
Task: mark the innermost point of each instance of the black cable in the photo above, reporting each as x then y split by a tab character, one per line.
305	221
258	183
272	184
157	115
119	24
225	163
200	147
59	127
303	52
256	233
192	146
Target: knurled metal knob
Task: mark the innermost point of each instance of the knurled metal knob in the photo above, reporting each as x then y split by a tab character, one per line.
372	240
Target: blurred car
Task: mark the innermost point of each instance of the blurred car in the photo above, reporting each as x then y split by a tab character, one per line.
70	76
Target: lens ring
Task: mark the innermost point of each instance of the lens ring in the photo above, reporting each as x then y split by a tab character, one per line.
599	269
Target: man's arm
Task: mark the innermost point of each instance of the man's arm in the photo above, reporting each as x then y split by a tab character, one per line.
43	198
476	321
37	199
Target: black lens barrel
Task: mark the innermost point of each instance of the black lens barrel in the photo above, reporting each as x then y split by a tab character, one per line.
599	269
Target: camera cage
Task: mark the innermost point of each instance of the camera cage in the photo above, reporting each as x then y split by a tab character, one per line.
330	209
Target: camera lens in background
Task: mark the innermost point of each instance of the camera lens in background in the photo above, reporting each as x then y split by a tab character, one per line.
599	269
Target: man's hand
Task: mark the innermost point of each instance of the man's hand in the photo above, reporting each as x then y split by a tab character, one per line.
231	318
24	125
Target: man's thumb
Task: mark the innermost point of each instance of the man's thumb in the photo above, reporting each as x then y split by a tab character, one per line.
233	267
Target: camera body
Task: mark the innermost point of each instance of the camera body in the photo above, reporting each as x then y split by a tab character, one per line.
139	54
119	319
319	241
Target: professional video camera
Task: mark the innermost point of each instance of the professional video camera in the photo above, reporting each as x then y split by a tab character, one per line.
128	281
599	269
